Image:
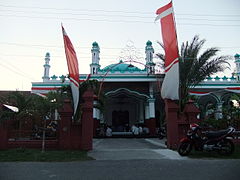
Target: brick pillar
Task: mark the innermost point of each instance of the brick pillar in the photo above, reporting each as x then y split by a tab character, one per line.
87	121
191	112
171	109
188	117
65	125
151	125
3	135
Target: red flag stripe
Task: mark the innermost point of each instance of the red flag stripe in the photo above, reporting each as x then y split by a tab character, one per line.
71	57
72	63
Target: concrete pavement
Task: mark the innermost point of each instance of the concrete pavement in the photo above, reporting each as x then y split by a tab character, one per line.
159	169
134	148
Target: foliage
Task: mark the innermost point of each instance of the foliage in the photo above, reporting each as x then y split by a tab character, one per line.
44	107
195	67
232	112
32	106
95	86
24	103
39	108
83	87
215	123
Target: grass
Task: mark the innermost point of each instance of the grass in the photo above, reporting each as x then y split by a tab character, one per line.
22	154
213	154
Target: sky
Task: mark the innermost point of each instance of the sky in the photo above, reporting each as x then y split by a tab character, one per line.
31	28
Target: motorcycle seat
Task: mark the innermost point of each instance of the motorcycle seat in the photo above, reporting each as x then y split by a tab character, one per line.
215	134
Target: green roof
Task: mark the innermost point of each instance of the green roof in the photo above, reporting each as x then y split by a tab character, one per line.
122	67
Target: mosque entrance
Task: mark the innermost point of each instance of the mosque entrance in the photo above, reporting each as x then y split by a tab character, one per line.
124	108
120	121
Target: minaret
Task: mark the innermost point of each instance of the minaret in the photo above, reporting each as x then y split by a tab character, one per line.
149	58
95	58
46	68
237	62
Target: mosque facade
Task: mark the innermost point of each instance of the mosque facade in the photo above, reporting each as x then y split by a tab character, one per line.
133	94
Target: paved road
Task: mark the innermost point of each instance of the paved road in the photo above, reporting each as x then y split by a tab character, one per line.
149	162
123	170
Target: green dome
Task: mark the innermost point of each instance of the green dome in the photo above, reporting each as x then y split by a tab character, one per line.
149	43
95	44
122	67
237	55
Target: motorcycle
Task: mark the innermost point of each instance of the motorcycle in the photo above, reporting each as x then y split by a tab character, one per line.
162	133
207	141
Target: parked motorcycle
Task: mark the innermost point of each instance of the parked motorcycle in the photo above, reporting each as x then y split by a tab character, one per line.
219	141
162	133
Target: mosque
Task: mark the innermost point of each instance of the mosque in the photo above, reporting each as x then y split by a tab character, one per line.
133	94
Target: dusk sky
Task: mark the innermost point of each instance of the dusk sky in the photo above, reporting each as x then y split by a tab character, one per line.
31	28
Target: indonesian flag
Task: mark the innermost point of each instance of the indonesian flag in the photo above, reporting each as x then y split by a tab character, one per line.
72	63
170	86
233	89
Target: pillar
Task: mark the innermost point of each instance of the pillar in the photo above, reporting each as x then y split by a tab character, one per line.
87	121
171	109
151	121
65	125
218	112
3	135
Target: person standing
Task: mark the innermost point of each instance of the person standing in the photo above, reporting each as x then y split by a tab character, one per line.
109	132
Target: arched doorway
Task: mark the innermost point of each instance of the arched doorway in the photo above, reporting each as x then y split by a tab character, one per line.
124	108
120	121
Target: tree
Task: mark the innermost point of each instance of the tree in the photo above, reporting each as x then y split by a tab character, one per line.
96	87
195	67
24	104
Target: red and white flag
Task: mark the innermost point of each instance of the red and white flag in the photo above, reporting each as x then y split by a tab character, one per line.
72	63
170	85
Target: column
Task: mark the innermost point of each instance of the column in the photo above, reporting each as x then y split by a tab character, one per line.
141	109
218	112
146	111
151	103
151	121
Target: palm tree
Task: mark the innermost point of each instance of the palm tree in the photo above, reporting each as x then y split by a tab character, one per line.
24	104
195	67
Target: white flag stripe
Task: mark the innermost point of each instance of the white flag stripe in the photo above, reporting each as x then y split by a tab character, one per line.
164	14
170	84
75	94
